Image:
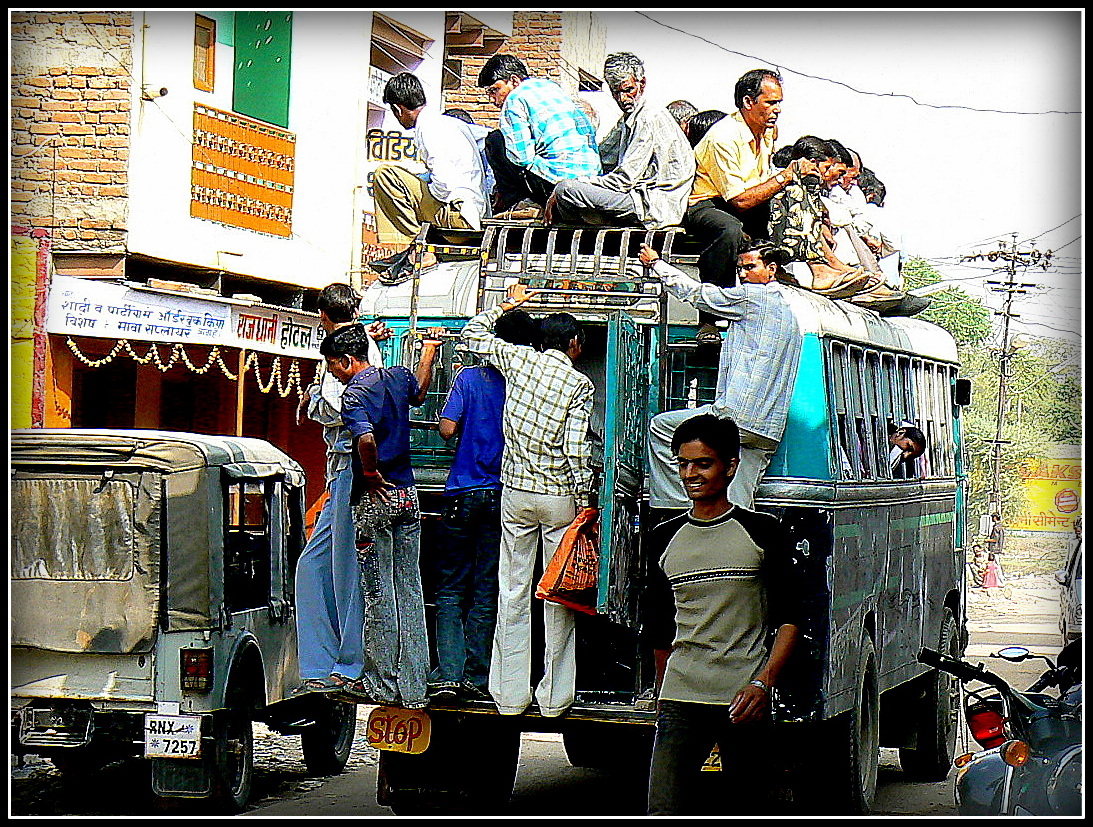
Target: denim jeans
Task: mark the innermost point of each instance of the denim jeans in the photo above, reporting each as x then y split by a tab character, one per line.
396	649
466	589
686	732
328	592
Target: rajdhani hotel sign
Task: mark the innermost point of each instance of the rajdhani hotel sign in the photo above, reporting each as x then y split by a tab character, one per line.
80	307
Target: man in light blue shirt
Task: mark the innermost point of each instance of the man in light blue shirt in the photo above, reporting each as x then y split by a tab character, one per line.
758	367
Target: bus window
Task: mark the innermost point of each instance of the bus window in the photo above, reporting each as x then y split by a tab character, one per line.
874	382
857	404
837	373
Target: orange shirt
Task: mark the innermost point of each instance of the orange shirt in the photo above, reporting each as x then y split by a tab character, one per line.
728	162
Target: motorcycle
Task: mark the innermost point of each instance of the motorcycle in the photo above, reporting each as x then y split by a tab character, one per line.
1031	757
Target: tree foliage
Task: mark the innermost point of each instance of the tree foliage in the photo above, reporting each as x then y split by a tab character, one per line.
967	319
1043	401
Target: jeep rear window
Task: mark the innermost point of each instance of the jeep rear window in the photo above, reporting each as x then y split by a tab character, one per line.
71	529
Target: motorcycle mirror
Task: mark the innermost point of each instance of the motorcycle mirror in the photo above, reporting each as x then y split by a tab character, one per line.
1014	654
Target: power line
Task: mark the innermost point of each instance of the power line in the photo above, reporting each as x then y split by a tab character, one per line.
847	85
1045	232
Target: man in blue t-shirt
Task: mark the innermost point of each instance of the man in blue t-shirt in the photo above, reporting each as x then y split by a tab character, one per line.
376	412
467	556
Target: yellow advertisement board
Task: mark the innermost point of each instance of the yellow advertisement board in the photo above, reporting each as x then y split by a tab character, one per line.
1053	490
24	260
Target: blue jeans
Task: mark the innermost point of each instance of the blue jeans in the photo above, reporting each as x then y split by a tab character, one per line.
396	649
329	609
686	732
466	590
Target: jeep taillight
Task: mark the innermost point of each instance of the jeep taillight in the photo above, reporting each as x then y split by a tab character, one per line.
197	669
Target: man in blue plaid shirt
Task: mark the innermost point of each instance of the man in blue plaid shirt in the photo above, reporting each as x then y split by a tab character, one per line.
547	138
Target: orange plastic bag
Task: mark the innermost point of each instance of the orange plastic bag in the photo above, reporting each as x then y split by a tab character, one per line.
572	574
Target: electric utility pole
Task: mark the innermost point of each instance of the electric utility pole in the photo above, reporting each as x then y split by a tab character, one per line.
1013	257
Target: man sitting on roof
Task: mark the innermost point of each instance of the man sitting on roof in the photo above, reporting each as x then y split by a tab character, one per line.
547	138
799	223
648	179
734	182
451	194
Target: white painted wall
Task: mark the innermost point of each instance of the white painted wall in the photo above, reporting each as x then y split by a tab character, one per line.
328	114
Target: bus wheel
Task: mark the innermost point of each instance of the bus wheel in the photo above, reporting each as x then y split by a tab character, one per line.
857	740
600	746
936	716
327	742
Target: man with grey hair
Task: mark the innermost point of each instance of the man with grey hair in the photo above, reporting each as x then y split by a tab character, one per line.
682	111
649	166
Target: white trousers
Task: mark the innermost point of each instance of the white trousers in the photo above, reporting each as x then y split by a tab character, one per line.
665	488
525	517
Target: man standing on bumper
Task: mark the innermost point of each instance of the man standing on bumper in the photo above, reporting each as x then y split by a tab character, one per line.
724	582
376	410
546	478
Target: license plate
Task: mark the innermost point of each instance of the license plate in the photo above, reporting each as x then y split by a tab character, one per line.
399	730
172	736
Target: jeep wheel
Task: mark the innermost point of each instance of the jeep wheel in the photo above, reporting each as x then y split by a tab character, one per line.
327	742
233	757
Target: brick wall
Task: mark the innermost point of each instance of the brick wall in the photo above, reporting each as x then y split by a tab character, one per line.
70	123
537	40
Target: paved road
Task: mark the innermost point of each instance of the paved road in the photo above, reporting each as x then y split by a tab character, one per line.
547	785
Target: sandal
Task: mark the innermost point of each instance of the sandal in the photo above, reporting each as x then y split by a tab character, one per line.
708	335
355	692
314	685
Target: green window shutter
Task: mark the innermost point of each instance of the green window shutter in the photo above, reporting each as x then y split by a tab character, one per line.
263	65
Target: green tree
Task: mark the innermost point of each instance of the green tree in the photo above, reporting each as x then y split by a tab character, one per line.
1043	396
967	319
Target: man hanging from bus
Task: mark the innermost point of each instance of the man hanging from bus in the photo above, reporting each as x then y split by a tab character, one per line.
725	580
758	366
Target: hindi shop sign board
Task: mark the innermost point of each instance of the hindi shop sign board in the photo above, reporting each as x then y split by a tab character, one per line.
80	307
1053	491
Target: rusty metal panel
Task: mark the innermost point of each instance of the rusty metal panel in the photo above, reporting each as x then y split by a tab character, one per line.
243	172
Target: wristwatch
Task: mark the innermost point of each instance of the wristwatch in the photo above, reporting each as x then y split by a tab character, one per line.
760	684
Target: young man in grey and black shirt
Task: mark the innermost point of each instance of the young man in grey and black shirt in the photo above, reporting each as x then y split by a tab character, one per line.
724	580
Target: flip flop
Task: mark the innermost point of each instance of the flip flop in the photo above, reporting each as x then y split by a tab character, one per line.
314	686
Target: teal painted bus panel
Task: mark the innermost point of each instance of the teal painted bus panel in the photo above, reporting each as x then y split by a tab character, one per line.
803	451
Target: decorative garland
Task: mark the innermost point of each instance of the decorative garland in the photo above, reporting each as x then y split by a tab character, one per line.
178	351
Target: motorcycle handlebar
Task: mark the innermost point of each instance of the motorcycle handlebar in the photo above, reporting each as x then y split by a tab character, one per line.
961	669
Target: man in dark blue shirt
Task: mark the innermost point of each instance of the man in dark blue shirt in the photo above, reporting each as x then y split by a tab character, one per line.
467	558
376	411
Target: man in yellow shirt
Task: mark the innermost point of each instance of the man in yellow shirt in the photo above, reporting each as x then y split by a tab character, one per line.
734	181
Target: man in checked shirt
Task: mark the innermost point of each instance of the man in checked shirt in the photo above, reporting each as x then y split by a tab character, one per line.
546	479
544	137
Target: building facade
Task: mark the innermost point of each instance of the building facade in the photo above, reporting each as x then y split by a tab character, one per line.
184	183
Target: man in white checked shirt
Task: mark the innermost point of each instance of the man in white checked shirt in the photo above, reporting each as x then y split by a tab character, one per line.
546	478
758	366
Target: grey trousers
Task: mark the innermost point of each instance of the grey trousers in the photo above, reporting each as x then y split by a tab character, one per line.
665	488
580	202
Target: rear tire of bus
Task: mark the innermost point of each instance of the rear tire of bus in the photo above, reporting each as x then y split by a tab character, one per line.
936	716
857	740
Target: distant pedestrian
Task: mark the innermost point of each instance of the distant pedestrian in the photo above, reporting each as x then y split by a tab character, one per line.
992	578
